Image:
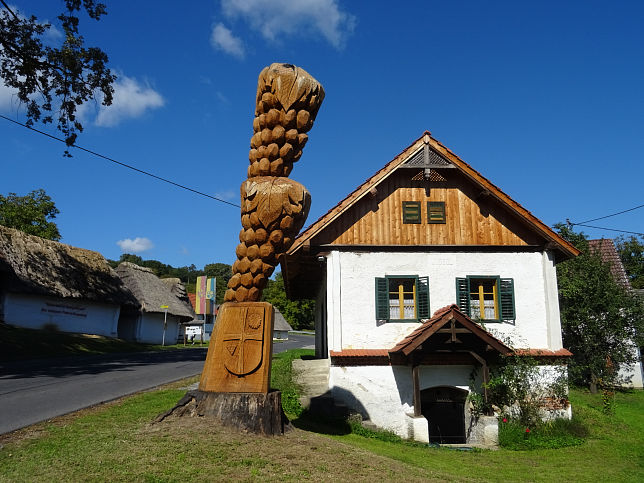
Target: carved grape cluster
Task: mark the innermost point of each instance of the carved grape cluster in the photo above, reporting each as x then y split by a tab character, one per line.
280	135
274	208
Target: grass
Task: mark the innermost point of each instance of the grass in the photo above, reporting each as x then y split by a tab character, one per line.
117	442
18	344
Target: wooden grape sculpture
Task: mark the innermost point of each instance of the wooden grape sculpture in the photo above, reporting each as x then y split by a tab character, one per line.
273	207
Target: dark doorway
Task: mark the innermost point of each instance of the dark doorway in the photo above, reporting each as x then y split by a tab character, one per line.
444	409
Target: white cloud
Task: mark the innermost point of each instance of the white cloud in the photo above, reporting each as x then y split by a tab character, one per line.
131	99
137	245
223	39
275	18
8	98
227	195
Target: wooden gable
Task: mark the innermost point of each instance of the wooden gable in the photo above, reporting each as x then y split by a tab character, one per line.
472	216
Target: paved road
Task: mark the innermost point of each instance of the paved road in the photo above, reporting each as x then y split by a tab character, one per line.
35	391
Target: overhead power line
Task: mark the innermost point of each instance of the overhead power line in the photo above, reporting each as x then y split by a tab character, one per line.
9	10
165	180
608	216
609	229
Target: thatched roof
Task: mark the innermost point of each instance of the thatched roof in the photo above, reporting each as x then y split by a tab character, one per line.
280	322
178	289
151	291
33	265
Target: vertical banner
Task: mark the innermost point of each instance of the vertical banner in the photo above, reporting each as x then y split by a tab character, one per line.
200	301
211	285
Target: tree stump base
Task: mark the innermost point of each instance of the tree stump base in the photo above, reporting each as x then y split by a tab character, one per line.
251	412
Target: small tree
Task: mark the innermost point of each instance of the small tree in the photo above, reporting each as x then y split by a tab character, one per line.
600	319
300	314
631	251
31	213
53	81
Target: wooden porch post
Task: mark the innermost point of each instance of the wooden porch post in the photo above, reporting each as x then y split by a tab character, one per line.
416	387
486	372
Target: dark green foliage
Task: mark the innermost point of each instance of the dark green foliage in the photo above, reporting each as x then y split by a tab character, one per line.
357	428
518	385
300	313
53	81
600	319
282	380
31	213
557	433
631	251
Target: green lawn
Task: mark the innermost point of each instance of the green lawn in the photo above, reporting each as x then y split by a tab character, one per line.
117	442
18	344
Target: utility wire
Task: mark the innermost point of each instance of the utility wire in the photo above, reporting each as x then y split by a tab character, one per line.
609	229
10	11
608	216
120	163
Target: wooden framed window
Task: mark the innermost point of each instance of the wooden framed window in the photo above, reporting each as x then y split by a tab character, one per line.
436	212
486	297
411	212
402	298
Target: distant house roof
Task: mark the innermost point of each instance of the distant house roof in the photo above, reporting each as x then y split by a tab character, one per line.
151	291
280	322
608	253
33	265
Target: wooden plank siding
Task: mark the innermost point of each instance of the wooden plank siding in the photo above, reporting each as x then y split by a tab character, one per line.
472	218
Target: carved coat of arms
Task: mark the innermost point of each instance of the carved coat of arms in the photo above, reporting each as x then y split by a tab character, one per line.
243	340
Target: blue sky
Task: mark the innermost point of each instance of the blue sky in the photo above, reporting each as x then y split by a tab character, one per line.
545	99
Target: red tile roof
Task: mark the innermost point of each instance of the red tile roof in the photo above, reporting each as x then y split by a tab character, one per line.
608	253
543	352
193	299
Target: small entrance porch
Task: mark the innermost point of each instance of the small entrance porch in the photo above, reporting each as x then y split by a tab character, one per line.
450	338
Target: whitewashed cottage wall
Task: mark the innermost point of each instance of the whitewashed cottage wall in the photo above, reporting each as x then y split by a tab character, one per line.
350	294
68	315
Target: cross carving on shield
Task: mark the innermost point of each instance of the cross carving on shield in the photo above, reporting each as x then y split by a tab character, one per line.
244	341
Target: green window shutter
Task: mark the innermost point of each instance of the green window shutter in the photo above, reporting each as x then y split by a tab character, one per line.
423	297
463	295
436	212
508	311
382	299
411	211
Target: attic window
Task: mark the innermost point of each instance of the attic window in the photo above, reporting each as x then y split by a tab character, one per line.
436	212
411	212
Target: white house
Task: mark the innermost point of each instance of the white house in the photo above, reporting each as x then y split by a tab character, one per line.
426	234
47	284
155	298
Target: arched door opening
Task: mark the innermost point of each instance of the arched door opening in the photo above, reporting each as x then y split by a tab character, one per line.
444	409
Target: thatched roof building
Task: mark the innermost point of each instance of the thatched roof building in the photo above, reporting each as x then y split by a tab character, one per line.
151	291
280	323
178	289
35	266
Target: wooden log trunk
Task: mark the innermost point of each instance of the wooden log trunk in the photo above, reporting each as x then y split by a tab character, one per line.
253	412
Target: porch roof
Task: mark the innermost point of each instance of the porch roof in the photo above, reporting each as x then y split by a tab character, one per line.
441	318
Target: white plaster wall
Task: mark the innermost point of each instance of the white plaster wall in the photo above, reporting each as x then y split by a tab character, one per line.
458	376
68	315
350	291
382	394
150	329
633	373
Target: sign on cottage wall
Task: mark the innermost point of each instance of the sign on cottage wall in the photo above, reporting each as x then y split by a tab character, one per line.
62	309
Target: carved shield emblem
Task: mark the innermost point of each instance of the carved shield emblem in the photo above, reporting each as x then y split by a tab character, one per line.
244	341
